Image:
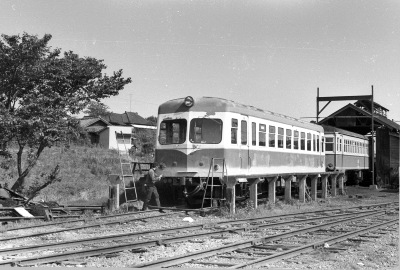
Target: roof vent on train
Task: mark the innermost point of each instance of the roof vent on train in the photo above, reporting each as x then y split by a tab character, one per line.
189	101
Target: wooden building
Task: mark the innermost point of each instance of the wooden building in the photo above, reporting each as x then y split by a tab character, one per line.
357	118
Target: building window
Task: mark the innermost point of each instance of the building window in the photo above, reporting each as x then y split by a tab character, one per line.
288	139
271	136
280	137
234	131
262	135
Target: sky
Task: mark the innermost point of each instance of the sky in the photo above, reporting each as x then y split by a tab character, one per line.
271	54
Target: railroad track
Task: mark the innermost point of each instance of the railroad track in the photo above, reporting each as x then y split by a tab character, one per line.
181	234
259	251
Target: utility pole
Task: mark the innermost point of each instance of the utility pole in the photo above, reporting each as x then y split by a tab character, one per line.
130	102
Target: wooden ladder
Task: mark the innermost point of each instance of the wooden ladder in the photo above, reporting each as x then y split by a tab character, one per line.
210	181
126	171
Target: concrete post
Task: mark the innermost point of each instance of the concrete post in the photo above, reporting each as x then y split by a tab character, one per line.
113	201
314	181
231	194
333	185
302	188
288	188
324	180
272	189
253	190
341	184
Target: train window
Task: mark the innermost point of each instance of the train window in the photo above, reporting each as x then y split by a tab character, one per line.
253	133
322	144
303	141
329	144
280	137
317	143
205	130
308	141
262	135
288	139
272	136
314	143
234	130
243	127
172	131
296	140
339	145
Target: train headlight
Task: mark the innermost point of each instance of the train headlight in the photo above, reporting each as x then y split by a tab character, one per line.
216	167
189	101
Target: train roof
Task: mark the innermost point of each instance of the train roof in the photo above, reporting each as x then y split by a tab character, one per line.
211	105
331	129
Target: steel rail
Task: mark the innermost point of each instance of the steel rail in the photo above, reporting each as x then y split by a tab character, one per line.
74	221
161	231
297	251
184	210
82	227
106	250
176	260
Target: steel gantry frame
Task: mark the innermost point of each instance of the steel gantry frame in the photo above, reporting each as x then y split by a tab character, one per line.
342	98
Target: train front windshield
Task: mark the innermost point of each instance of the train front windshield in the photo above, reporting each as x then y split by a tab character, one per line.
205	131
202	131
173	131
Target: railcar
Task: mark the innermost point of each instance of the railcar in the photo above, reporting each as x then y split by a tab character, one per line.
345	150
214	136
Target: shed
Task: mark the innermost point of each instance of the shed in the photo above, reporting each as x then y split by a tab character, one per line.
357	118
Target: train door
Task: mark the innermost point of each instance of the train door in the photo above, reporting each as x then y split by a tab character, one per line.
244	144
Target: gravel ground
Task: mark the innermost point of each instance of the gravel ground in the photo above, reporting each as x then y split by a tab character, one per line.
376	253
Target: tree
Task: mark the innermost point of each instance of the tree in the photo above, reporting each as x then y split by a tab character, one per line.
152	120
40	89
96	109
